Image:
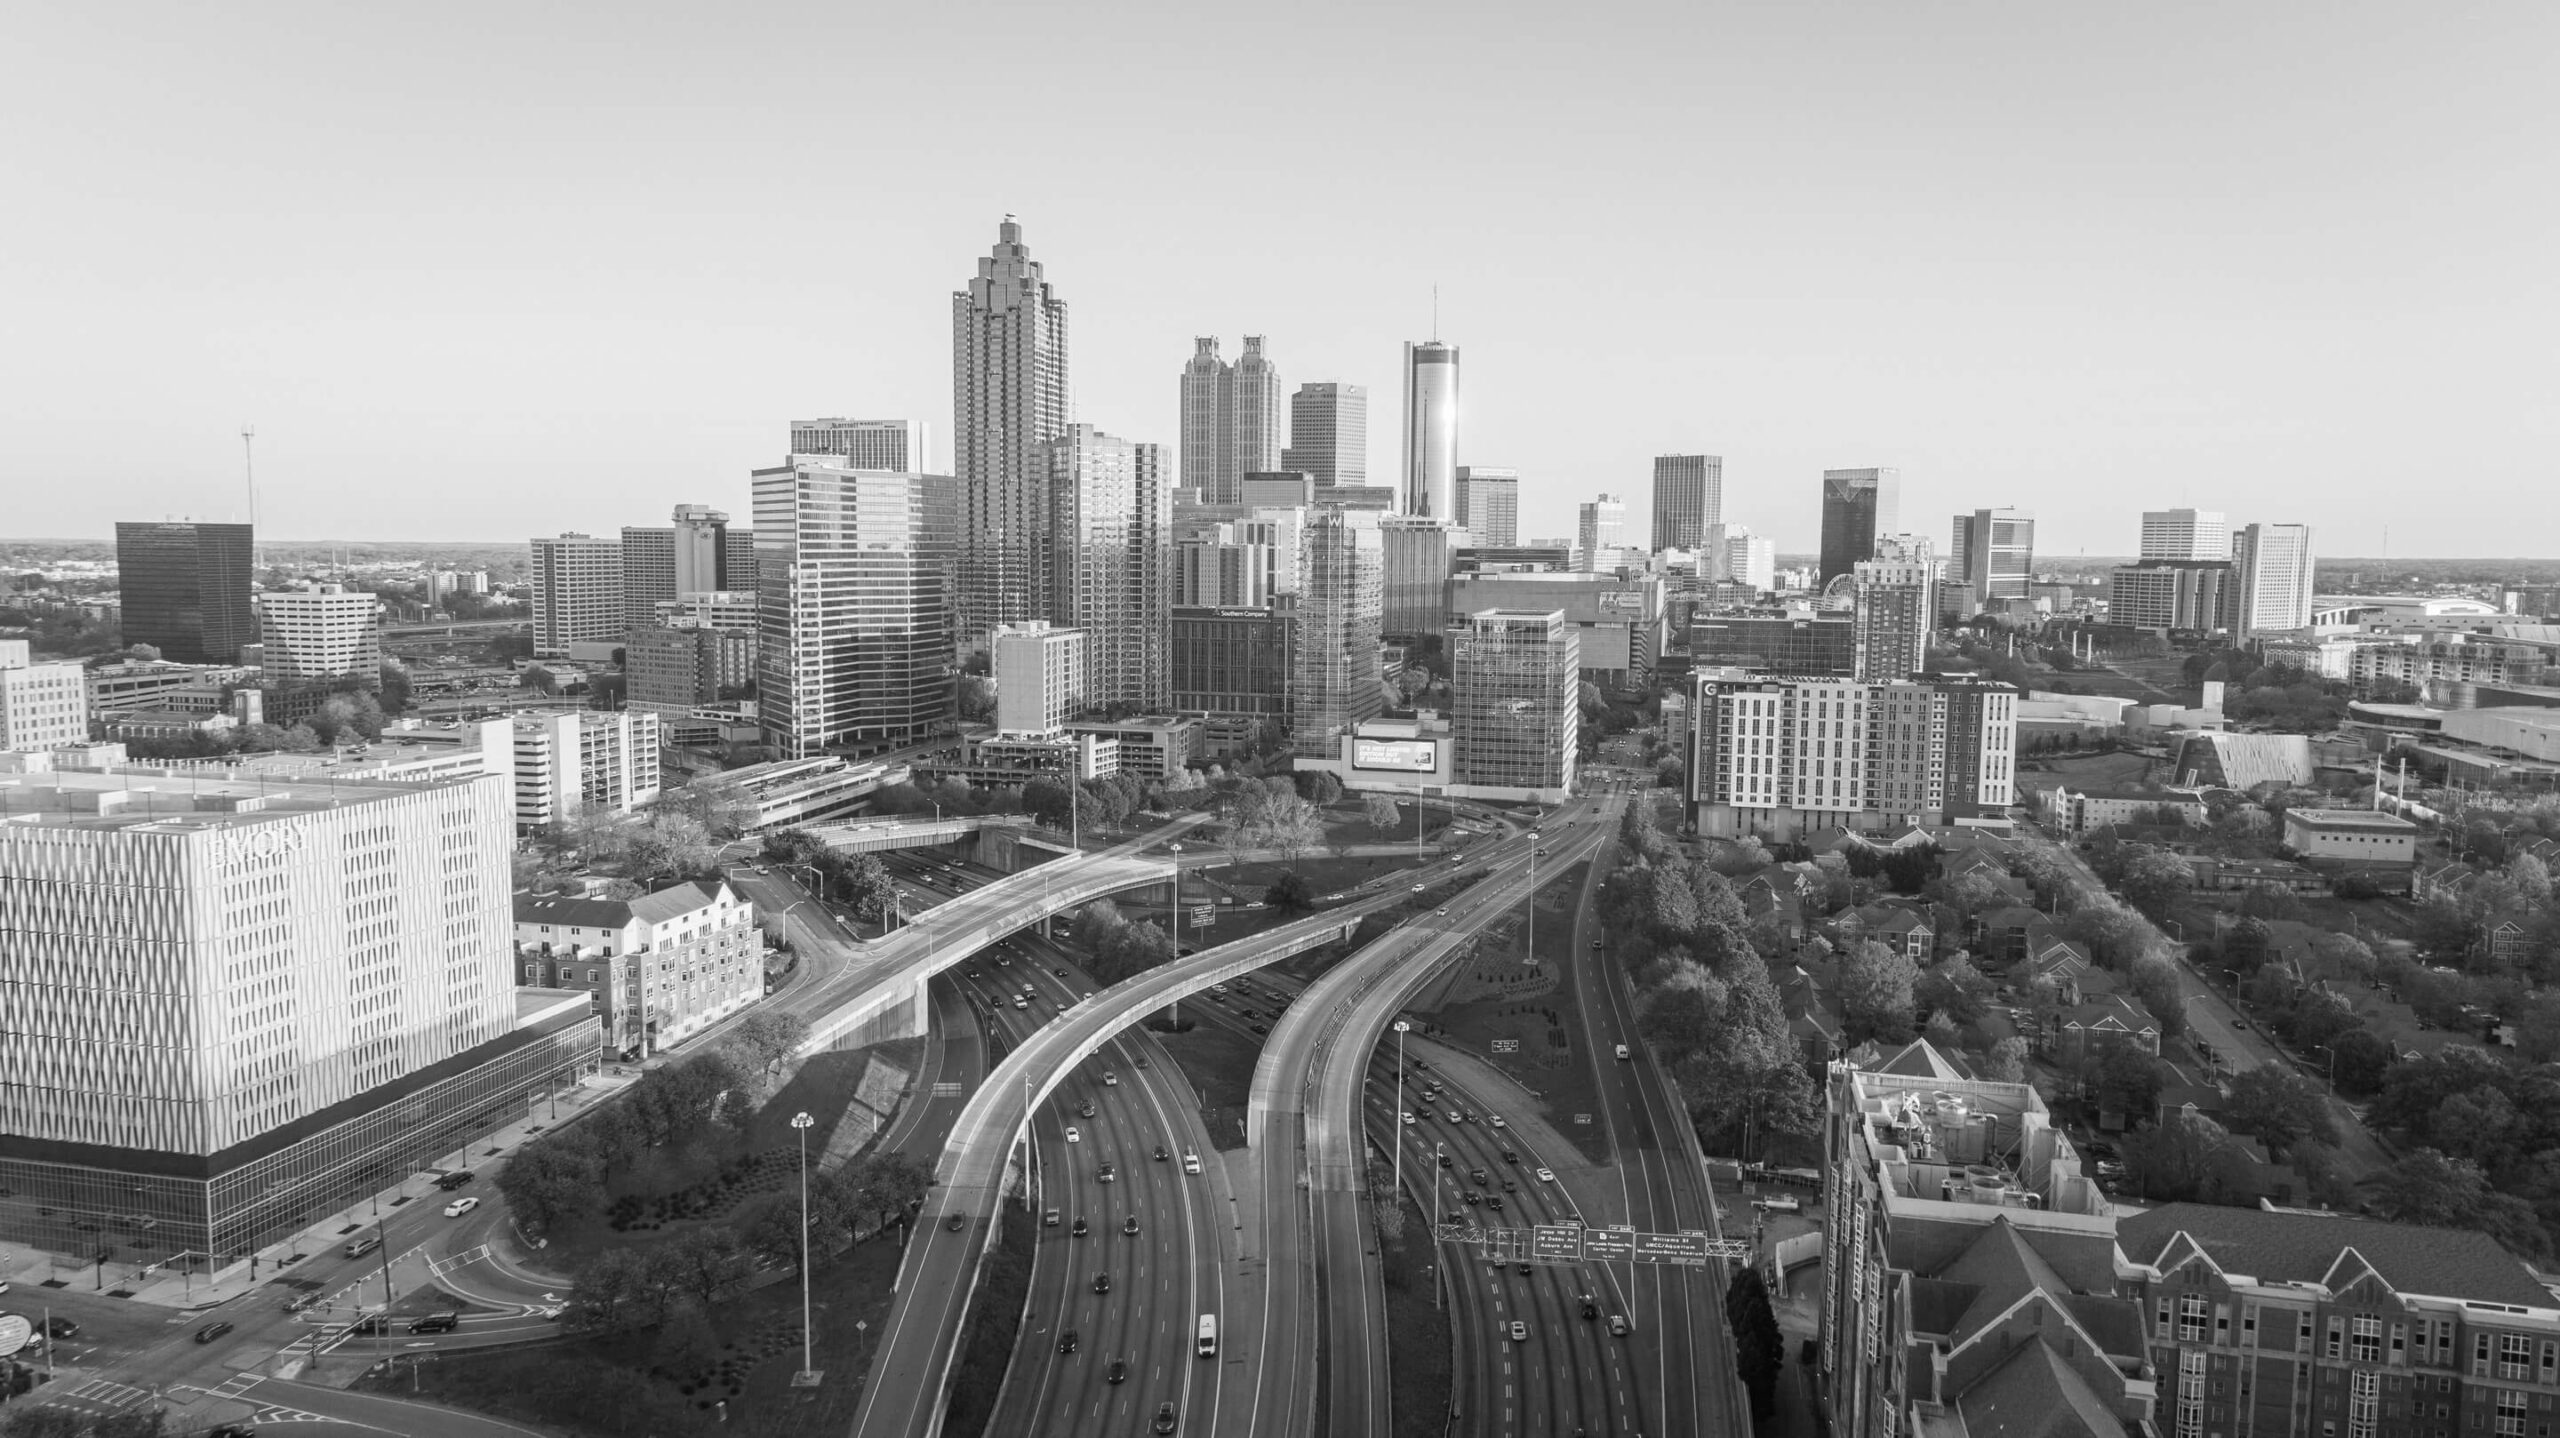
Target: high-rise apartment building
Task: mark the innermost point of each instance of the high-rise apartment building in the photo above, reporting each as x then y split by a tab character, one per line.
1224	573
577	593
701	549
1785	755
1329	434
902	446
1895	603
738	552
279	996
1688	499
1111	507
1489	504
2275	567
567	760
855	631
733	610
1515	682
1603	530
1995	552
648	572
183	589
1334	680
1231	419
1416	554
1430	429
1009	399
1041	677
1750	558
319	634
1857	505
2173	594
677	668
42	706
2186	534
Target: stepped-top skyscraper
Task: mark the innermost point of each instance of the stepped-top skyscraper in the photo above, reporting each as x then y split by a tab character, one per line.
1009	398
1329	433
1857	506
1231	419
1430	478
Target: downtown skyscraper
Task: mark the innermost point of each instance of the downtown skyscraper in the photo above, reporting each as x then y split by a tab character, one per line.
853	626
1329	434
184	589
1688	499
1857	506
1489	504
1231	419
1009	399
1334	676
2275	567
1430	478
1111	525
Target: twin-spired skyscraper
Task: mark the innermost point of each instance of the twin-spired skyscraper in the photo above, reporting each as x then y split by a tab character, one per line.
1231	419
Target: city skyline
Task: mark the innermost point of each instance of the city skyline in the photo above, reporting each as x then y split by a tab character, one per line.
2187	258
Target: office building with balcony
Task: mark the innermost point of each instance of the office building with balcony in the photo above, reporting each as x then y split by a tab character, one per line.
1514	711
655	970
183	589
238	1004
319	634
1894	605
2173	595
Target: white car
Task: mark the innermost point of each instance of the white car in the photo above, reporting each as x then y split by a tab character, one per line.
1519	1331
460	1206
1110	1078
1497	1122
1073	1136
1409	1118
1546	1175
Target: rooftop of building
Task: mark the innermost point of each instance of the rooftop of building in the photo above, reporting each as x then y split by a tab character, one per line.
154	801
580	911
2299	1247
2371	820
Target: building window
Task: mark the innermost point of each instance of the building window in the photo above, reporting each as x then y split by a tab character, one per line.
2511	1412
2515	1356
2368	1340
2191	1316
2362	1402
2337	1331
2191	1394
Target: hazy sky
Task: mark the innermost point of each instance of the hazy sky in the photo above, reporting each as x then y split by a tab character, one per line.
489	271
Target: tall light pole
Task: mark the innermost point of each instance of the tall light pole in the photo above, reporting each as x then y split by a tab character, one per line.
1401	1026
808	1375
1176	851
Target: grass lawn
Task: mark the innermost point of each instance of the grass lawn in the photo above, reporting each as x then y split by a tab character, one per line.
611	1385
1219	1062
1323	876
1548	1062
2082	771
1418	1355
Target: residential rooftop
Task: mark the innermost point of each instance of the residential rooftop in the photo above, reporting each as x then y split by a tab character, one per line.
2343	819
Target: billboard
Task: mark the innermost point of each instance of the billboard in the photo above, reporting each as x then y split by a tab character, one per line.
1622	601
1412	756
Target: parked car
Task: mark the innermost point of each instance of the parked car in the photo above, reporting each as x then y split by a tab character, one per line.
457	1179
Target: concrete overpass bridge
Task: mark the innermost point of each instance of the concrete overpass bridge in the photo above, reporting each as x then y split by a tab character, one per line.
998	841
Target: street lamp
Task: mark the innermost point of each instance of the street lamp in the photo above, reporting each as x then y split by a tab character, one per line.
808	1375
1398	1190
1176	851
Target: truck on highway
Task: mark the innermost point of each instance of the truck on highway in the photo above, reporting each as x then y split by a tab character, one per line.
1208	1335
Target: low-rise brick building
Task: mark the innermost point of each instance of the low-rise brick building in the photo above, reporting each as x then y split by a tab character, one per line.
657	969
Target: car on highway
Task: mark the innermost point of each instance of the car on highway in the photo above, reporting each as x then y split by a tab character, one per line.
1617	1326
1102	1283
1511	1185
1021	1003
1595	943
1081	1228
1418	888
1190	1161
1622	1053
1510	1155
1130	1227
362	1246
1110	1078
1086	1108
1546	1175
300	1301
460	1206
1408	1118
1161	1153
1049	1219
377	1324
1259	1028
1456	1117
1444	1160
1519	1331
1483	1179
59	1327
1109	1172
1496	1121
1493	1201
1119	1371
1444	913
1590	1308
1074	1135
1164	1418
1067	1341
2241	1024
437	1323
1142	1062
956	1222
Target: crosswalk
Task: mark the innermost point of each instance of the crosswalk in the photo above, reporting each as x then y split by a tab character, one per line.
105	1395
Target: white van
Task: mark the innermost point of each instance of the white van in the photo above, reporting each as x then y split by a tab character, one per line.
1623	1055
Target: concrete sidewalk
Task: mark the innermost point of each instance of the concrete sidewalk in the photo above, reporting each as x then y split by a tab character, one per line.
188	1290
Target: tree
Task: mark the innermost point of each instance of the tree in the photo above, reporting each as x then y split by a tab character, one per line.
1954	988
890	1184
764	1042
1759	1349
705	1264
2151	880
2123	1079
1290	892
686	1345
2190	1158
769	1229
1291	825
2429	1188
2007	1061
1876	986
2157	982
976	697
1318	787
555	1177
2277	1107
611	1290
1381	811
